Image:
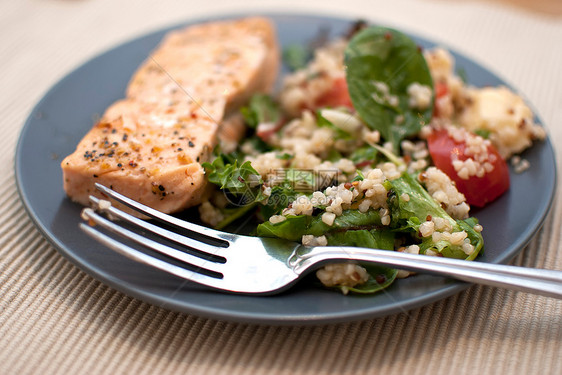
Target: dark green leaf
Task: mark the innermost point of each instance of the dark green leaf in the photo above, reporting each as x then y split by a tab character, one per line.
378	54
484	133
475	237
407	215
285	156
374	239
290	183
334	155
363	154
296	56
279	199
233	214
300	180
420	204
380	277
294	227
360	176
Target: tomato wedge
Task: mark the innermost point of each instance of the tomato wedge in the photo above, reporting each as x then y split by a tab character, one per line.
441	90
478	191
337	96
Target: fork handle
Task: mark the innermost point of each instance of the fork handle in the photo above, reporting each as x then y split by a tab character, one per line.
538	281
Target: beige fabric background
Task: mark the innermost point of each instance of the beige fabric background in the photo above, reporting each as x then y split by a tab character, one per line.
54	319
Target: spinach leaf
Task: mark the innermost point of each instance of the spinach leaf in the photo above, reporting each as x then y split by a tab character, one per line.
295	56
300	180
364	154
449	250
334	155
381	55
278	200
347	230
380	277
294	227
288	184
374	239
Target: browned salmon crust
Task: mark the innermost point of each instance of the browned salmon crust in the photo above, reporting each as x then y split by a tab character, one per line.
150	145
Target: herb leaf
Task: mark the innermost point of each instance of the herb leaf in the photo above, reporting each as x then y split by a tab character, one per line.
242	182
261	109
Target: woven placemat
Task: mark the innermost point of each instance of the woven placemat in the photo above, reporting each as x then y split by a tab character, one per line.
55	319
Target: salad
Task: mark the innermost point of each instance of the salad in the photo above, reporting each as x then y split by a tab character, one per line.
372	142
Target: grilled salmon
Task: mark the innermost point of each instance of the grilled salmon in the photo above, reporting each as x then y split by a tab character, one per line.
150	145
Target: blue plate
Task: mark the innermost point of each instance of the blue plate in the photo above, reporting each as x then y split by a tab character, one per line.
66	113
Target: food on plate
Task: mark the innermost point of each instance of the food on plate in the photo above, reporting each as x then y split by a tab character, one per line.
179	104
373	143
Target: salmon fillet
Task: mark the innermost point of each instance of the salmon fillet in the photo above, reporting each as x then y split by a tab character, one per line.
150	145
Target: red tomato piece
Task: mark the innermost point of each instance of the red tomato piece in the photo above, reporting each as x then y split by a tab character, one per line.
478	190
337	96
441	89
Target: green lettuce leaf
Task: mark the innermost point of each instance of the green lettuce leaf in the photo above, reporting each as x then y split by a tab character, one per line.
407	216
419	205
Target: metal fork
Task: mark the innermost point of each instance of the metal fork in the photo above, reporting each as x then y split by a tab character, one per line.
244	264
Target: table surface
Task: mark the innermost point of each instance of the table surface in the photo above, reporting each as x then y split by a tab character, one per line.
55	319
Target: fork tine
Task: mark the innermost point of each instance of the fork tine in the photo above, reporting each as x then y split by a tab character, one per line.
172	236
168	219
189	259
141	257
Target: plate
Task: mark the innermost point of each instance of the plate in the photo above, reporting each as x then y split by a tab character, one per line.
67	112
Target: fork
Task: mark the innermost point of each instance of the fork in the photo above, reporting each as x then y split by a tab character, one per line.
254	265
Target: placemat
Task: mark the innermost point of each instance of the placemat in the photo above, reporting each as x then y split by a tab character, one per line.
55	319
